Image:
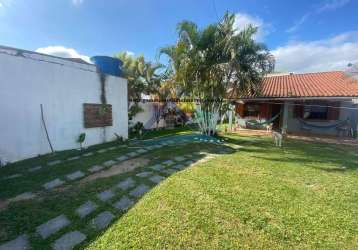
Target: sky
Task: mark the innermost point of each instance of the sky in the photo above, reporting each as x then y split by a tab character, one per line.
304	36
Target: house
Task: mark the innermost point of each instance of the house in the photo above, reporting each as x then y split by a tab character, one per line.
321	103
46	98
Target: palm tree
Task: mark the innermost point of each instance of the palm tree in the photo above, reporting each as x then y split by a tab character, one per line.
215	63
143	78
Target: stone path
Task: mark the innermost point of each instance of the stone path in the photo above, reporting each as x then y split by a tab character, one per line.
109	163
139	191
156	178
34	169
52	163
20	243
69	240
157	167
126	184
86	209
102	220
168	162
144	174
52	226
75	175
53	184
105	195
95	169
124	203
122	158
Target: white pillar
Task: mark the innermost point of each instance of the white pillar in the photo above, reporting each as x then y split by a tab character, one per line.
285	118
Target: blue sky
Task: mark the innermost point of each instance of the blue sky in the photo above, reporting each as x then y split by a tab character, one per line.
303	35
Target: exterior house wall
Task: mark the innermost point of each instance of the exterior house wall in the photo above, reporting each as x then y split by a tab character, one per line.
295	126
62	87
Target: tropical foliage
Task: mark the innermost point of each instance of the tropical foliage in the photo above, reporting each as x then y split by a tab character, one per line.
216	63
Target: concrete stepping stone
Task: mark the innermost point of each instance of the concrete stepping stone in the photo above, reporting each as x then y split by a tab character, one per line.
144	174
179	166
95	168
12	176
132	154
157	146
156	178
169	171
52	226
170	142
109	163
124	203
179	158
74	158
88	154
102	220
105	195
53	184
112	148
157	167
150	147
102	150
20	243
52	163
139	191
168	162
122	158
75	175
34	169
86	208
141	151
126	184
69	240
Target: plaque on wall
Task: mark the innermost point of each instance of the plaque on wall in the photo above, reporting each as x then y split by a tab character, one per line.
97	115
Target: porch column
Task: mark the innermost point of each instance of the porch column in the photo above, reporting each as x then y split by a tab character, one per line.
285	117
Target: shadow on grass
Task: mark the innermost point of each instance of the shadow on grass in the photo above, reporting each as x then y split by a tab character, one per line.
24	217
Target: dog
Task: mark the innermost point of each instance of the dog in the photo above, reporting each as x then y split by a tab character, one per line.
269	128
277	137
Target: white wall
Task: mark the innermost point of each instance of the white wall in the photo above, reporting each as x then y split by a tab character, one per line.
146	116
30	79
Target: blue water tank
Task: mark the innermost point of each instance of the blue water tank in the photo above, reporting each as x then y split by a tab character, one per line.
108	65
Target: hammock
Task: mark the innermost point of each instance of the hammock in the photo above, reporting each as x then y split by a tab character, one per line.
259	124
327	126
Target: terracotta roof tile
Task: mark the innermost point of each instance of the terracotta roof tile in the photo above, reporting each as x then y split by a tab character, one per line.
322	84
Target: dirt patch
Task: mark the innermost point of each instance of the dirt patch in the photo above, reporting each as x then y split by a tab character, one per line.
117	169
20	197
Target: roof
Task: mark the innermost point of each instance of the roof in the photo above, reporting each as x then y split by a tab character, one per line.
321	84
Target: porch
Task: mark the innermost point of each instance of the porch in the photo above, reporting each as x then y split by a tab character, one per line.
320	116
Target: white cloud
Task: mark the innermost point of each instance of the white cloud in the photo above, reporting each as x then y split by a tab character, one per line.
323	55
243	20
77	2
329	5
333	5
298	23
62	51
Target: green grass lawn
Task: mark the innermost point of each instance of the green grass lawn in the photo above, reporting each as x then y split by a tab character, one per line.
304	195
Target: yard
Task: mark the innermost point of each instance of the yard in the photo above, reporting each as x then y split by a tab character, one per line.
185	191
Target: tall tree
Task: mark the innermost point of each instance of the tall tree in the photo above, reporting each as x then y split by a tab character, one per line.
217	63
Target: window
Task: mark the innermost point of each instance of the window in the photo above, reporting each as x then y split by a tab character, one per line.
251	110
315	112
